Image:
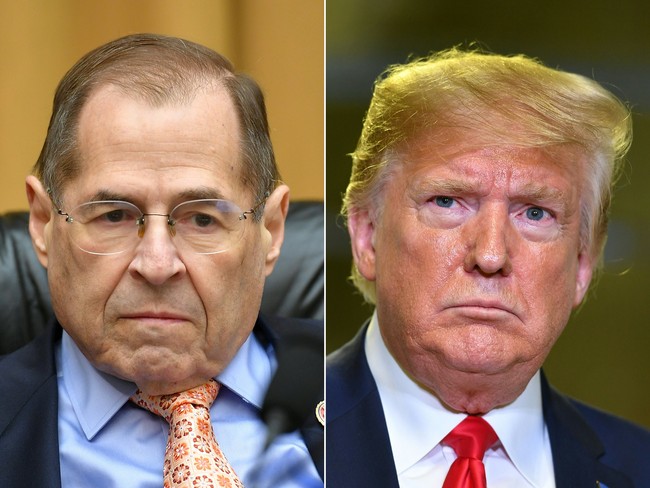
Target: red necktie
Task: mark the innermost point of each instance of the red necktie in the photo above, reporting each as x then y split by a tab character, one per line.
193	457
470	439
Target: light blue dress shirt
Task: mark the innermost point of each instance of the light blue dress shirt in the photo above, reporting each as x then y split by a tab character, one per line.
106	441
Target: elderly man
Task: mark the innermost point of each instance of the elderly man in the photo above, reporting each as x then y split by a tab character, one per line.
499	174
157	209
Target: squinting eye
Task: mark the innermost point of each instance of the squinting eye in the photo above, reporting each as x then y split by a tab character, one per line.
445	202
535	213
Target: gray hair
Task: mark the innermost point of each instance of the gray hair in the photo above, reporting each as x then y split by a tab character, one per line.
159	69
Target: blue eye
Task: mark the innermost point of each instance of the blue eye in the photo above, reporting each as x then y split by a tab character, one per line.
445	202
535	213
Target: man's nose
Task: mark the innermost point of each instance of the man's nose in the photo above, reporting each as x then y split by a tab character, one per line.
157	258
489	237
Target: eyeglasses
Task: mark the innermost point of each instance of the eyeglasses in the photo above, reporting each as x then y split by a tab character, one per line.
205	226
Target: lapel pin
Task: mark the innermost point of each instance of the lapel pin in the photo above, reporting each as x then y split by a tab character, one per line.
320	412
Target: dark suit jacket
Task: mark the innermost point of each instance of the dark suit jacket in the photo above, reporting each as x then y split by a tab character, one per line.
589	447
29	448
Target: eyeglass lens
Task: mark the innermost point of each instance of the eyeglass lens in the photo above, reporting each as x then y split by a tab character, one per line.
111	227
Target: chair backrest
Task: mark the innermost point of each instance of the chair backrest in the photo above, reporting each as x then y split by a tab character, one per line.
295	289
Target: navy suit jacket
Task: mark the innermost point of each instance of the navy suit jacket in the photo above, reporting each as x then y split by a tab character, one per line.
29	447
590	448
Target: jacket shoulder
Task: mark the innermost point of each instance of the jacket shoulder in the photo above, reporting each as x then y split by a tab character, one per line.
29	410
626	443
348	376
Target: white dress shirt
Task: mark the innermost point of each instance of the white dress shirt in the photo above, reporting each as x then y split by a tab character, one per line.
417	422
106	441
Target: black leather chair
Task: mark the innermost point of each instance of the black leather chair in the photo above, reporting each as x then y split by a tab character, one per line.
295	289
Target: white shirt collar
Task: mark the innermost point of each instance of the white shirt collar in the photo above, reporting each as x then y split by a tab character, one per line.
97	396
409	408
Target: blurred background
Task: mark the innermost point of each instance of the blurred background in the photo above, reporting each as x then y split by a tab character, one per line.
277	42
602	358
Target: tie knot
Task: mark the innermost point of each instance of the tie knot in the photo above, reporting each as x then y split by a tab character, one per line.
168	405
471	438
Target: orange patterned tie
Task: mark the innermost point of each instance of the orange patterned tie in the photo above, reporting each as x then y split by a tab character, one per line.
193	457
470	439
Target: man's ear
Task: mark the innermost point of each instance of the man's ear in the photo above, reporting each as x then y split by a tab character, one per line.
583	276
275	213
40	215
362	238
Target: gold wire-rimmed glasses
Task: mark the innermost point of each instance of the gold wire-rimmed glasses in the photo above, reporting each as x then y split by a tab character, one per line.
206	226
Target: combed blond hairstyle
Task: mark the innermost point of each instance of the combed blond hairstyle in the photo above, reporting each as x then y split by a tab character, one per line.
500	100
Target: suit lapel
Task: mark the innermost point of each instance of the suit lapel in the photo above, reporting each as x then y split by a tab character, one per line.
29	410
29	442
358	446
576	447
275	330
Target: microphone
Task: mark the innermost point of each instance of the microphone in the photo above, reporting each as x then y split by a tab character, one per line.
297	385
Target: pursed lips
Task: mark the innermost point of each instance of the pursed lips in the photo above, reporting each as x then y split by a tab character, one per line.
155	316
483	306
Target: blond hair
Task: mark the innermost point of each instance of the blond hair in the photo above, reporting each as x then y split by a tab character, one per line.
500	99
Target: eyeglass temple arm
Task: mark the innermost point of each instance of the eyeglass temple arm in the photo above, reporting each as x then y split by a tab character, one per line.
254	209
68	217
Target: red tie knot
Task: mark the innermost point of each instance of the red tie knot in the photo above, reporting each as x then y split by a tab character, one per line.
471	438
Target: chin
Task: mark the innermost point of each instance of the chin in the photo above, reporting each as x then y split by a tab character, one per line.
166	382
479	365
145	365
479	385
484	350
477	404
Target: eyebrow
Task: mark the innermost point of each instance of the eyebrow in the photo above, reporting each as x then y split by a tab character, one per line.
198	193
541	192
201	193
546	195
108	195
531	192
445	187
